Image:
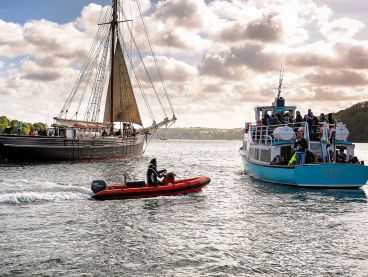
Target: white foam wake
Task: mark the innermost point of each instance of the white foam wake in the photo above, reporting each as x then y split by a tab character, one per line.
21	197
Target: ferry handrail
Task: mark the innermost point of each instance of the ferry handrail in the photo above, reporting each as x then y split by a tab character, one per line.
263	133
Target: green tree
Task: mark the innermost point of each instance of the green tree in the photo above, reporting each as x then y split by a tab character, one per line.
13	124
39	125
26	128
4	122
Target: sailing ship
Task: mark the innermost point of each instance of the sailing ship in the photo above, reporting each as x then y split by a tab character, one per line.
267	151
105	78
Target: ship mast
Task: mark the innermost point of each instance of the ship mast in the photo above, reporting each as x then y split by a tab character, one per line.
113	23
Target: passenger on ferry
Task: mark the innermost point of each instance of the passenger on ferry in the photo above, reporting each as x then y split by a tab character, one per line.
300	146
319	158
288	118
265	118
354	160
341	156
298	118
277	160
315	128
275	120
322	118
309	119
104	133
330	120
309	157
280	118
153	174
269	120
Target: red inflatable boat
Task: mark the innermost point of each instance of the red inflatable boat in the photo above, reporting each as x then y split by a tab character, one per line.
139	189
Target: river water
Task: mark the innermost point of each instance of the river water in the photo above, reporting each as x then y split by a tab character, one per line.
237	226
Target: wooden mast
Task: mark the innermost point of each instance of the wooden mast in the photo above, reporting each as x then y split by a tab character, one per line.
113	23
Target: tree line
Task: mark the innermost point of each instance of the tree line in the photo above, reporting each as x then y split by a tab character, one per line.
15	126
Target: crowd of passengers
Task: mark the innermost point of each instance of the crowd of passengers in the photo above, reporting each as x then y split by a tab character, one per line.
286	118
302	155
127	131
313	121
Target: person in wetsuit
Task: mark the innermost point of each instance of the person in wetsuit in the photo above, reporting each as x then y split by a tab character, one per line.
153	174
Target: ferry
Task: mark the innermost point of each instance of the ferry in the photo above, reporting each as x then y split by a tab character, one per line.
268	151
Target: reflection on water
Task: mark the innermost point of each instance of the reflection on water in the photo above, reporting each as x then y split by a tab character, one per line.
359	195
237	226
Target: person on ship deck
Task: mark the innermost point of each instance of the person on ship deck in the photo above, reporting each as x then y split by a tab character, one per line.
300	146
341	156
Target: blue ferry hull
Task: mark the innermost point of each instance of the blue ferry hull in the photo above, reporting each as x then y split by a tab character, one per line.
310	175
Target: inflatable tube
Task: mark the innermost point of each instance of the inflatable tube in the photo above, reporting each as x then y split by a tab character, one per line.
172	188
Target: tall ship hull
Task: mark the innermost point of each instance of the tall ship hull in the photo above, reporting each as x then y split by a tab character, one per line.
48	148
101	118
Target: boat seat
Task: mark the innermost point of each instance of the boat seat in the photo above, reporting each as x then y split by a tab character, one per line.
135	184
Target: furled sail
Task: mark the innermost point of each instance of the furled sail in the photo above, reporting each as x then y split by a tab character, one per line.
125	105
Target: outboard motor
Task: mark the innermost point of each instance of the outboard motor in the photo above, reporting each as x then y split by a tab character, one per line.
98	185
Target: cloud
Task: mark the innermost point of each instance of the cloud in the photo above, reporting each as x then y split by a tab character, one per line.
253	56
215	65
265	29
224	55
180	13
234	62
335	55
170	69
340	29
338	78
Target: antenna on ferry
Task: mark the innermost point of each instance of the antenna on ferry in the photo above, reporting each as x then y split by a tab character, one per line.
282	69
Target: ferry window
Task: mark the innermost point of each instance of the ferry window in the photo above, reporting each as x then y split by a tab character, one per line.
265	155
256	154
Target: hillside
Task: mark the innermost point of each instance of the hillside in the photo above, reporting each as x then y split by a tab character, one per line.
356	120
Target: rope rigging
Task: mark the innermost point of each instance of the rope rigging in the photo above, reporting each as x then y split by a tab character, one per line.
96	69
154	56
144	66
87	64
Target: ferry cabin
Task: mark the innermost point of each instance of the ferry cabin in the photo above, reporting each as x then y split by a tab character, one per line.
261	144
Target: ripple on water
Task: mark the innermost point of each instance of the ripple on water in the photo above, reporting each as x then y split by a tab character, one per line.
237	226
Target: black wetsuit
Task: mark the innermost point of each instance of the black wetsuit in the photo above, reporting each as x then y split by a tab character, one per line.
153	174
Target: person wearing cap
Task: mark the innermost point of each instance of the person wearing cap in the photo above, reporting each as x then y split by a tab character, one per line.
300	146
153	174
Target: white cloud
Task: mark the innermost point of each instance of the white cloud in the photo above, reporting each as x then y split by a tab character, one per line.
220	54
341	29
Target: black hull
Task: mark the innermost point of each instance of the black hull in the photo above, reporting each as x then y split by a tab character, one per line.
38	148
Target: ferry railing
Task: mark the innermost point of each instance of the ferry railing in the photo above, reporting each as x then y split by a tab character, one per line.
263	134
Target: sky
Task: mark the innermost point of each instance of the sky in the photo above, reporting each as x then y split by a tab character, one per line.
219	59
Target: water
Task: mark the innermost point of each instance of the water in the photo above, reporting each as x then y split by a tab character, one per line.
237	226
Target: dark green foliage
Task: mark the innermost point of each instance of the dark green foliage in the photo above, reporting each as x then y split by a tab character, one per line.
19	127
356	120
4	122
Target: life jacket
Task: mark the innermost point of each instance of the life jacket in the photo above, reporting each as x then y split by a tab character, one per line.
292	160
